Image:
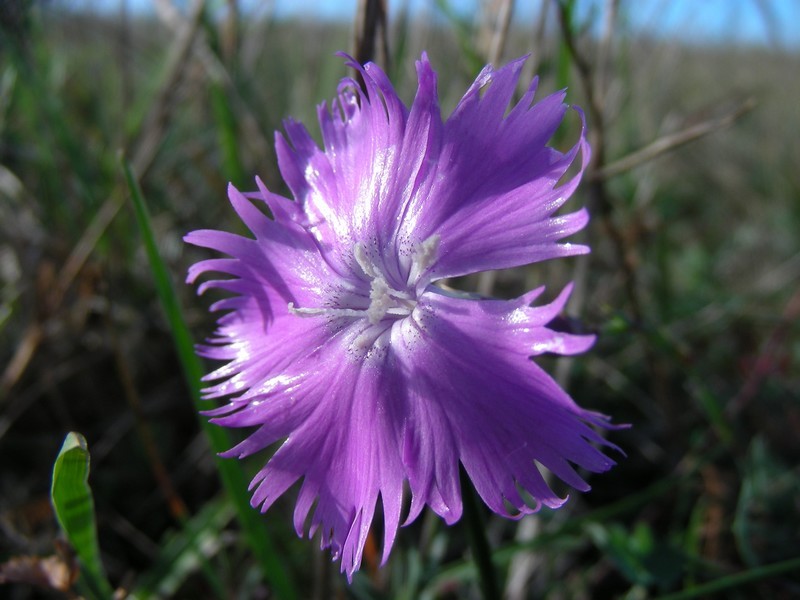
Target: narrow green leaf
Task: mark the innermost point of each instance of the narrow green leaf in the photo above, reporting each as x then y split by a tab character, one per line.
564	57
464	31
476	533
714	412
5	314
74	509
231	473
402	27
184	551
786	567
766	521
227	135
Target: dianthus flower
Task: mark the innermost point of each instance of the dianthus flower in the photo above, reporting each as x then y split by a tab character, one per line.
340	345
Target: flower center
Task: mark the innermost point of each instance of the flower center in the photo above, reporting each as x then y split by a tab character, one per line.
383	298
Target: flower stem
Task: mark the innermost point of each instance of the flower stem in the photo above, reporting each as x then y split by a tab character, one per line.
476	530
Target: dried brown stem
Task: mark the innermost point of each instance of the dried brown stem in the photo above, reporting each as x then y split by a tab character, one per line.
598	195
585	74
604	51
216	70
371	44
229	31
19	361
505	11
532	65
371	39
145	149
176	505
670	142
600	200
153	130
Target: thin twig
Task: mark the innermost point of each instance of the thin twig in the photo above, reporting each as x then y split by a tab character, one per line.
601	201
22	356
145	151
229	32
671	142
502	26
216	70
26	398
84	247
597	192
585	73
604	51
175	504
537	49
179	56
486	281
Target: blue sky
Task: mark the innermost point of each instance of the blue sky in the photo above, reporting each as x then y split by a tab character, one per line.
749	21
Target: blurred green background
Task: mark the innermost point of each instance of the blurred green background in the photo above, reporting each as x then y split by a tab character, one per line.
692	287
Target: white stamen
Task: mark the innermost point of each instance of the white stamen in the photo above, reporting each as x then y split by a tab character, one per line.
379	300
360	254
423	257
383	298
316	312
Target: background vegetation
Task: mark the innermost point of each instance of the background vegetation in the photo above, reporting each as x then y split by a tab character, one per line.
692	287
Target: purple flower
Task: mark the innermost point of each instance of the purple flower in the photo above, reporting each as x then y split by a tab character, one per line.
340	345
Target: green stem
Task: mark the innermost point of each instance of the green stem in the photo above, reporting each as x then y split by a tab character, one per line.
231	472
729	581
482	554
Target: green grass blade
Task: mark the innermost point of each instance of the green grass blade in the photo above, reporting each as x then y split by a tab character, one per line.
233	477
729	582
476	534
227	135
463	29
74	509
184	551
465	570
564	57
